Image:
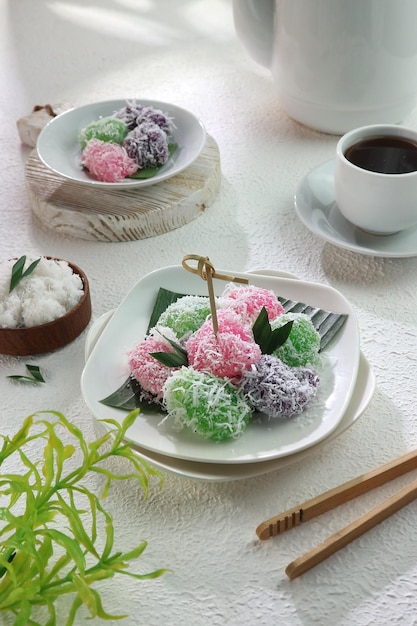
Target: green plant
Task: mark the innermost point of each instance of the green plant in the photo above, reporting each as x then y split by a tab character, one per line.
34	375
18	273
39	562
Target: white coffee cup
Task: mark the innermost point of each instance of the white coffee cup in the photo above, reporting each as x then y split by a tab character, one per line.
376	178
336	64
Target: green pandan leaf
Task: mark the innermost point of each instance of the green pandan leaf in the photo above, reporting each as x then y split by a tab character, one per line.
279	336
267	339
169	359
326	323
129	396
261	328
172	359
163	299
18	273
35	375
35	372
146	172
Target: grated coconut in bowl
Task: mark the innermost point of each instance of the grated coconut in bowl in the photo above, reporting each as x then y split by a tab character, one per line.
45	295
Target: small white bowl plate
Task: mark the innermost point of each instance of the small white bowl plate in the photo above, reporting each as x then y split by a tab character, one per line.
59	147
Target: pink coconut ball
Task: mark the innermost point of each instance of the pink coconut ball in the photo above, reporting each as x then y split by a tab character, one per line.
228	353
107	161
150	373
248	301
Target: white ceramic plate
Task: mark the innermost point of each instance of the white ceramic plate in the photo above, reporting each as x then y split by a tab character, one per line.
316	207
219	472
107	369
59	147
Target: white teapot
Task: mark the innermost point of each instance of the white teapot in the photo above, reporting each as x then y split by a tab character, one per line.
336	64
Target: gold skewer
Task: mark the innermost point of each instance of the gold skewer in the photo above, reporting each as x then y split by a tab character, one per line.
206	271
203	261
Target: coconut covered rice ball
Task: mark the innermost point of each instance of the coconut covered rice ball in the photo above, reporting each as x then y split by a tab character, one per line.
134	114
147	145
129	114
248	301
274	388
104	129
158	117
225	354
150	373
303	344
208	405
107	161
186	315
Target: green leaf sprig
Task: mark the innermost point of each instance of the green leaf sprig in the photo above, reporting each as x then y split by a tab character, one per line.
35	375
18	271
267	339
39	561
172	359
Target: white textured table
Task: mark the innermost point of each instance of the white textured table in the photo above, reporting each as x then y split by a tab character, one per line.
187	53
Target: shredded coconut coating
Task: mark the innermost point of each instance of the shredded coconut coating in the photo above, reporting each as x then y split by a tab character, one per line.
186	315
158	117
105	129
147	145
303	344
150	373
108	162
136	138
45	295
226	354
134	114
208	405
248	301
129	114
278	390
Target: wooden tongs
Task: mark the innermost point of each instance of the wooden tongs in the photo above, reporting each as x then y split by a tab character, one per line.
337	496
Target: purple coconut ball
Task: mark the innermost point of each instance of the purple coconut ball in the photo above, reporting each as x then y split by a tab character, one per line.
147	144
129	114
276	389
158	117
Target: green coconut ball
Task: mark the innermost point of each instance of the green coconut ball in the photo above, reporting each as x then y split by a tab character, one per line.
303	344
105	129
208	405
186	315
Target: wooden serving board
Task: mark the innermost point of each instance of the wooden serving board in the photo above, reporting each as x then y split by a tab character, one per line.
118	215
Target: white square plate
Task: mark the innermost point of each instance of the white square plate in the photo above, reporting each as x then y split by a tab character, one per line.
107	369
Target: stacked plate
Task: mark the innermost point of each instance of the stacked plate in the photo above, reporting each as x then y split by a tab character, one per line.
347	384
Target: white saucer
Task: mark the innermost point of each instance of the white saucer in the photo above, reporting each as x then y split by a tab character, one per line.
316	207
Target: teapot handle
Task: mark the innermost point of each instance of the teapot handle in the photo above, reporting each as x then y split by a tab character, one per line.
254	25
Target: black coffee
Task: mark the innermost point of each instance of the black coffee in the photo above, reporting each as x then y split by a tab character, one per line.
387	155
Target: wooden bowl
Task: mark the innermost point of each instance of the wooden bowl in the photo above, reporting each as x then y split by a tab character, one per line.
52	335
